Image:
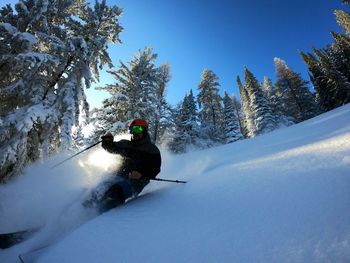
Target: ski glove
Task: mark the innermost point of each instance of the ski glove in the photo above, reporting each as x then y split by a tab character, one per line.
108	137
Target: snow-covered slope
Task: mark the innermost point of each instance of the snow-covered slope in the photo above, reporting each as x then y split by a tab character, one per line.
280	197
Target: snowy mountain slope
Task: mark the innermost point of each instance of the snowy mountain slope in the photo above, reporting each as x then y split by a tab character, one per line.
281	197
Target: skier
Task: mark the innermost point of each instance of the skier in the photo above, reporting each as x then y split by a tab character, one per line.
141	161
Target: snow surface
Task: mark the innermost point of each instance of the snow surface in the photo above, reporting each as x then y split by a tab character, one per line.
280	197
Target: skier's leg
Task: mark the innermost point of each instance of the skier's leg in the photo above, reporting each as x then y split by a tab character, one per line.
94	198
113	197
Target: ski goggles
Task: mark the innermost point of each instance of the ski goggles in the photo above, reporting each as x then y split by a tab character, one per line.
136	129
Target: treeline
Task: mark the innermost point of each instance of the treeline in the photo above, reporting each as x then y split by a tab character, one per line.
50	51
210	119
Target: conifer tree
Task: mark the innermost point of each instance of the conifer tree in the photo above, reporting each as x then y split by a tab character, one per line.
329	70
54	50
192	126
239	113
187	129
316	76
295	95
78	138
180	137
332	86
274	98
211	110
137	93
343	17
261	112
268	89
162	123
232	127
336	85
248	123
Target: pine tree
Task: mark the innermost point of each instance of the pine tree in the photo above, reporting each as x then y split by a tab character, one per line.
339	51
192	126
336	85
296	97
164	115
274	98
167	126
54	49
239	113
211	110
78	138
259	106
187	129
327	75
137	93
248	123
343	18
232	127
317	78
179	136
330	70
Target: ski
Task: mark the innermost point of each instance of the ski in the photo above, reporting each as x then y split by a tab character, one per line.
32	255
12	238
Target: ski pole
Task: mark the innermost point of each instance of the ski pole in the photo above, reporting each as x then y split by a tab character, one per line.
166	180
76	154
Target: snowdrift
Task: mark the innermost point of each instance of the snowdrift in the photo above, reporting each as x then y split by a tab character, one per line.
280	197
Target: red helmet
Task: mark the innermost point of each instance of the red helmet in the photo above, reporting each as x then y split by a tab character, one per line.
139	122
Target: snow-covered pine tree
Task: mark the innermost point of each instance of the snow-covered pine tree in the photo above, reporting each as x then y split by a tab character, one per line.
99	26
268	89
232	127
295	95
264	119
135	94
239	112
248	120
317	78
339	53
336	86
179	136
187	130
192	126
167	126
164	126
211	110
78	138
163	122
343	17
50	53
275	103
330	71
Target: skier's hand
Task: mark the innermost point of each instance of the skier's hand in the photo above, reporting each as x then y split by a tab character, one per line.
108	137
135	175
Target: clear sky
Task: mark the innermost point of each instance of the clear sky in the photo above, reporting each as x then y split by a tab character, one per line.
221	35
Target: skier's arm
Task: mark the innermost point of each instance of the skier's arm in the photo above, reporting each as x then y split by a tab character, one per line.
121	147
146	163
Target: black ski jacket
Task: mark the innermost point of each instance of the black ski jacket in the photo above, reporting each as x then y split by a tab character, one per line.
141	155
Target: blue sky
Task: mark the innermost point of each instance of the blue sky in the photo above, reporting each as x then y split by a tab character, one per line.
223	36
220	35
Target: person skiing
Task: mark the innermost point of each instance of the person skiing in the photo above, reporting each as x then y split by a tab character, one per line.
141	161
